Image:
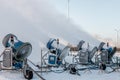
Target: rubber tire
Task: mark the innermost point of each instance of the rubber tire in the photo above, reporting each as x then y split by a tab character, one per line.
29	75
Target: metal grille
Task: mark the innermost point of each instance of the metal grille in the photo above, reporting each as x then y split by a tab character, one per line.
83	57
7	58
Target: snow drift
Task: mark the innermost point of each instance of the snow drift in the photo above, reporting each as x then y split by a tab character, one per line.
36	21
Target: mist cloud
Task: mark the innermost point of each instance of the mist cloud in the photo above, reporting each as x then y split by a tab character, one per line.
36	21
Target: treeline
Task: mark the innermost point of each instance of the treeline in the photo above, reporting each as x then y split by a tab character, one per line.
118	49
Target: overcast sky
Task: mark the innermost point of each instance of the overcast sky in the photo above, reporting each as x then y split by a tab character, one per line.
98	17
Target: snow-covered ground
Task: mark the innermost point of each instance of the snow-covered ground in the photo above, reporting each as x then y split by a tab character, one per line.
93	75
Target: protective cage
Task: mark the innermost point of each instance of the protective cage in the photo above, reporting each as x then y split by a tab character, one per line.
83	57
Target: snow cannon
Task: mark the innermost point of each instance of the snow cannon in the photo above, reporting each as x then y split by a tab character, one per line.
15	55
106	53
20	49
56	55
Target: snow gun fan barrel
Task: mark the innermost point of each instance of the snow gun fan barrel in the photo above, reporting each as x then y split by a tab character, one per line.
20	49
